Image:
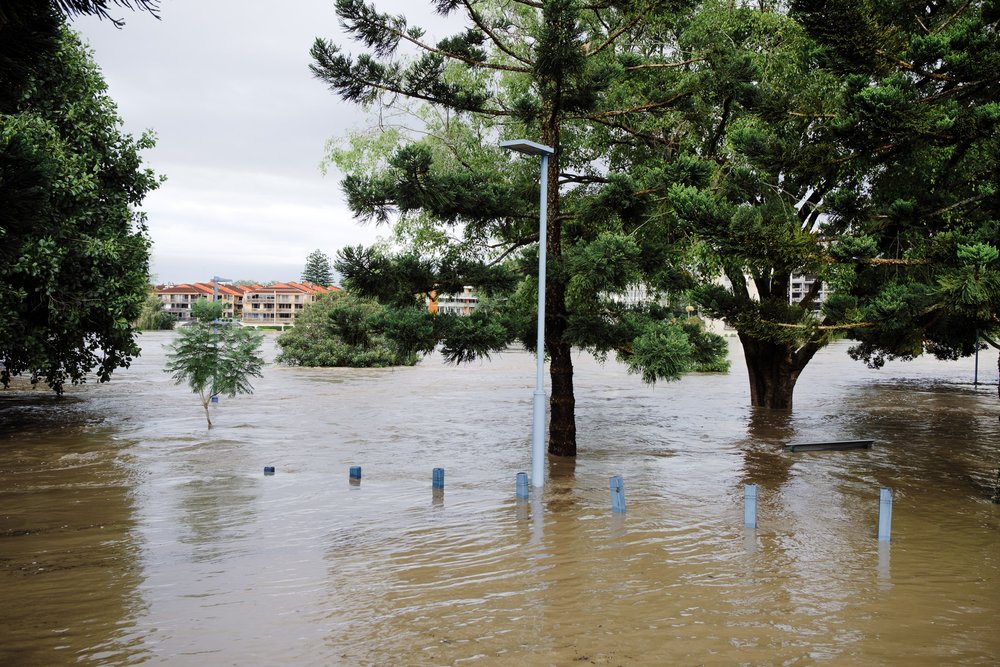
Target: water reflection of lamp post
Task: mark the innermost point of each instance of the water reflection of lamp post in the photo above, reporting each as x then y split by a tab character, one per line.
538	405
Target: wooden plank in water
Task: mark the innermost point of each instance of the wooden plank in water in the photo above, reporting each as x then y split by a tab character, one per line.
829	446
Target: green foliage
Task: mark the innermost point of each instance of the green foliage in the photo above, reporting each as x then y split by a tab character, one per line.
340	329
215	359
206	311
318	269
153	317
75	253
662	352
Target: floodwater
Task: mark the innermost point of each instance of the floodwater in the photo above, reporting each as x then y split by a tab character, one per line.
132	534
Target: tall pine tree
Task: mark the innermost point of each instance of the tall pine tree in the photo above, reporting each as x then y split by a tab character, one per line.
318	269
521	69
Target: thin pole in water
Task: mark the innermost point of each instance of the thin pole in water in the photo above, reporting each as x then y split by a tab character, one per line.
617	485
975	372
884	515
750	506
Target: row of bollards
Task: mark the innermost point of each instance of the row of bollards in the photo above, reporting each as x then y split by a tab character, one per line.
354	475
884	510
617	487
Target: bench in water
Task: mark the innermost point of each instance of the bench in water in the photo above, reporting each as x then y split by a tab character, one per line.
829	446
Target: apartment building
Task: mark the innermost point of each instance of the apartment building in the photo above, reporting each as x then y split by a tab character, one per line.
253	305
462	303
177	299
279	304
800	285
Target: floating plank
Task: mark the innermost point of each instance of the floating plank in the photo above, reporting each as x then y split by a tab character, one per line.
829	446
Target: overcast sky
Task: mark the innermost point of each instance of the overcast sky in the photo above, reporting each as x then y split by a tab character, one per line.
241	126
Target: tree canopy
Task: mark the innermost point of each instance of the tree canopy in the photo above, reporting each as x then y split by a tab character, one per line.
74	253
340	329
922	86
713	149
541	71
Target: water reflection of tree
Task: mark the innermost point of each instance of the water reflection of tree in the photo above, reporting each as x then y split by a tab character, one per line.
216	511
764	461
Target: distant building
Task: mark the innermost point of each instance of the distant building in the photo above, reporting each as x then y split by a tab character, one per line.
453	304
177	299
253	305
800	285
279	304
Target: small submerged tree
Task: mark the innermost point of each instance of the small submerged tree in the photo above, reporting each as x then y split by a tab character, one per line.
215	358
341	329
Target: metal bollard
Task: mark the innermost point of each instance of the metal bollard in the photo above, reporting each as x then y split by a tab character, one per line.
356	472
750	506
521	485
437	479
884	515
268	470
617	485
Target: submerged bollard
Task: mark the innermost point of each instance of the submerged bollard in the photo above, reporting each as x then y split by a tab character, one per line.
521	486
437	479
268	470
750	506
215	399
884	514
617	485
356	472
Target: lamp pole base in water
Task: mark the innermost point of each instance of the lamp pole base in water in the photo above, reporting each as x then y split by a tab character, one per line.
538	439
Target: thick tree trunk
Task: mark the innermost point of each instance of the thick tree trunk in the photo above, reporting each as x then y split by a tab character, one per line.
562	403
773	370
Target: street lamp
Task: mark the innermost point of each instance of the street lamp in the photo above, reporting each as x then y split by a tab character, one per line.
538	406
215	286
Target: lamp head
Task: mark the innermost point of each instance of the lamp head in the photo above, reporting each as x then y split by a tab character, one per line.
527	147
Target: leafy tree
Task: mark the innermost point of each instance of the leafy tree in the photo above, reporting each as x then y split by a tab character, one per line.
318	269
340	329
923	90
30	34
153	317
74	252
540	70
747	161
214	358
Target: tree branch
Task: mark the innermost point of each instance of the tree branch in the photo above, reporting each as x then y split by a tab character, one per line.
640	109
664	65
617	33
477	19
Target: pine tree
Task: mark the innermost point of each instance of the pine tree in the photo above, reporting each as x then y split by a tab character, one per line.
318	269
541	71
923	93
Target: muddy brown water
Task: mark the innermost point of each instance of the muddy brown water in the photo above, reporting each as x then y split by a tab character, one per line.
132	534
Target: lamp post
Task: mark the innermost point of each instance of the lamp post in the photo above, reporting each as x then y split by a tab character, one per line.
215	286
538	405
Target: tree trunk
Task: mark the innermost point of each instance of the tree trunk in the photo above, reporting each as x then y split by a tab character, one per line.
773	369
562	403
204	404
